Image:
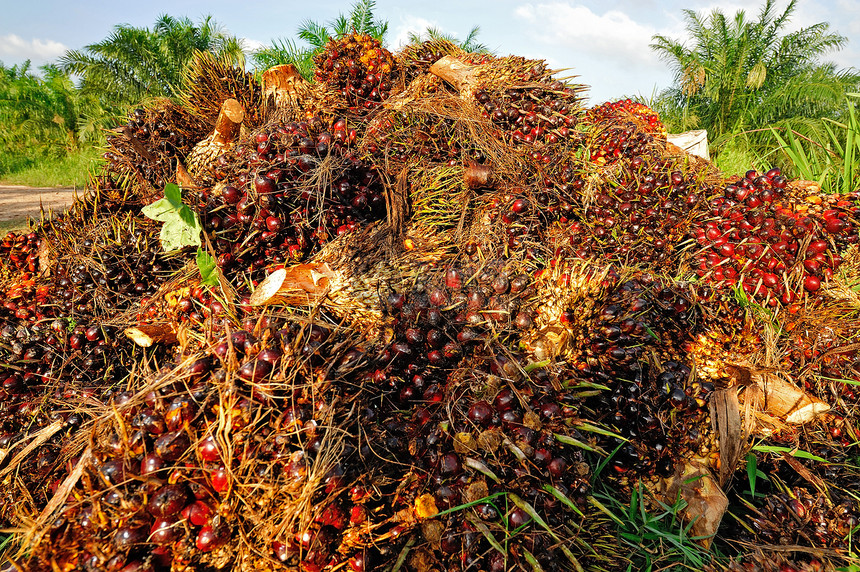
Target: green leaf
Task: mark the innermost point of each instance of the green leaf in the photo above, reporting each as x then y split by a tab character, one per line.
189	217
793	452
173	194
181	225
161	210
751	472
175	234
208	268
599	506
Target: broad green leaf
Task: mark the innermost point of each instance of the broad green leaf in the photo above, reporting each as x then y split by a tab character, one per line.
173	194
208	268
189	217
161	210
176	234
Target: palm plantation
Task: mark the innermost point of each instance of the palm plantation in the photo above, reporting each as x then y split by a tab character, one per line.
42	116
135	63
738	77
742	76
46	116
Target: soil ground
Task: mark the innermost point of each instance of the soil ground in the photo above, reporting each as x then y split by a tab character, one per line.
17	203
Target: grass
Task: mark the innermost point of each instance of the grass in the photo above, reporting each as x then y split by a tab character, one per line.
657	540
16	225
735	160
69	171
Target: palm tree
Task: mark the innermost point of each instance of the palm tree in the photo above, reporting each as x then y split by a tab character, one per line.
742	75
360	20
134	63
469	44
43	115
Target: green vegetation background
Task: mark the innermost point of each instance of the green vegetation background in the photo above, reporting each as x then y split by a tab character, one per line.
766	97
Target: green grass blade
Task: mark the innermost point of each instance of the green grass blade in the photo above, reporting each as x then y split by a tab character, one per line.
599	506
536	567
577	443
563	499
529	509
794	453
850	149
751	472
584	426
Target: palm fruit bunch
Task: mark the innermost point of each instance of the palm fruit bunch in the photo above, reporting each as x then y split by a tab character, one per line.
531	115
415	59
768	240
803	516
359	68
643	218
429	337
637	340
645	118
144	151
270	194
623	128
777	561
19	252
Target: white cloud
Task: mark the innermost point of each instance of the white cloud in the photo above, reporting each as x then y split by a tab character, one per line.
16	48
612	35
251	45
409	24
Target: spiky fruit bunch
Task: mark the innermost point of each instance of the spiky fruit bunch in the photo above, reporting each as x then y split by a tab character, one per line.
780	249
161	473
270	197
614	112
359	68
533	116
781	561
801	516
19	252
635	343
457	420
623	129
416	59
143	153
642	219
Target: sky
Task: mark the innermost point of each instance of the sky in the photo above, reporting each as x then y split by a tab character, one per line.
603	43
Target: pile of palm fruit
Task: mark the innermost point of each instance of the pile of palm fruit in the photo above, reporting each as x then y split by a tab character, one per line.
452	314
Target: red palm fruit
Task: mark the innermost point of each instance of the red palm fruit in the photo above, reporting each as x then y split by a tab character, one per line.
168	500
197	513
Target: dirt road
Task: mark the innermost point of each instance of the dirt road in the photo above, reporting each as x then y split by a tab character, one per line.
17	203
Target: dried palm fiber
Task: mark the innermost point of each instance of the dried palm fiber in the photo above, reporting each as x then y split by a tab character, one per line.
285	94
209	81
205	163
143	154
427	123
416	59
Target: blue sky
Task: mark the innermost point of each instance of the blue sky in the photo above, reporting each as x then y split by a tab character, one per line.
604	43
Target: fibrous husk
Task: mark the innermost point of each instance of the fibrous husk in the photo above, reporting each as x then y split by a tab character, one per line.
782	399
210	81
706	501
